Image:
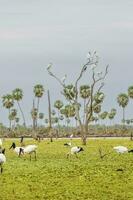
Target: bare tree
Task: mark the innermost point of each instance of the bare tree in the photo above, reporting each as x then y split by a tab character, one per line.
71	92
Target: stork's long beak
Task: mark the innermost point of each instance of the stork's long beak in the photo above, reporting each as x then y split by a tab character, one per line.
11	147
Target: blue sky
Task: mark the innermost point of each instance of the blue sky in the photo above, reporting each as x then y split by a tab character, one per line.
34	33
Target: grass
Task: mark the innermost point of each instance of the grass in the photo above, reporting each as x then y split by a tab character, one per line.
54	177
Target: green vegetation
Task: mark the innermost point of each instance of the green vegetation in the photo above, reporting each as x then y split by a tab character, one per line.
53	176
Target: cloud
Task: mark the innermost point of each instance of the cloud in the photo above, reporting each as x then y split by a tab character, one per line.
13	34
123	24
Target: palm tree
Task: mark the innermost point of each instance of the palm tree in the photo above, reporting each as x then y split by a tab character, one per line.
12	116
38	92
112	114
97	108
55	120
18	95
58	104
46	121
41	116
34	116
53	112
123	100
85	94
128	121
70	112
69	92
130	92
17	120
103	115
99	97
8	103
61	117
96	119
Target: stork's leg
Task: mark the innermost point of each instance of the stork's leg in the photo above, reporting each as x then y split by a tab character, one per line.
35	155
1	169
68	155
76	155
30	157
21	151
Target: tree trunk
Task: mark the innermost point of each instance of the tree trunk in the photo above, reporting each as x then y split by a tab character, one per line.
84	111
131	136
58	126
38	102
10	123
84	131
123	116
76	124
50	121
84	139
34	122
24	123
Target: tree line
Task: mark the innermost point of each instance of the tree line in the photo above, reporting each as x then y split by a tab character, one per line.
84	101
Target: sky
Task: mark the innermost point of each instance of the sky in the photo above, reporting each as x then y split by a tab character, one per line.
34	33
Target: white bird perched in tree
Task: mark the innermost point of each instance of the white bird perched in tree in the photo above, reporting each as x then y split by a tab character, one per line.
49	66
93	67
88	55
64	78
29	149
121	149
2	159
99	74
75	150
95	52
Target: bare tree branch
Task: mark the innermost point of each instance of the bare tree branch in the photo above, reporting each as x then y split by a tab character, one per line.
91	61
101	86
53	75
90	101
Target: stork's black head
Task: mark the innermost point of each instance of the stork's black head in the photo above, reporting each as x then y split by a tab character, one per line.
65	144
80	149
130	151
3	151
13	146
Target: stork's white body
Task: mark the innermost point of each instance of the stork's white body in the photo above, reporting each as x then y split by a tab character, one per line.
75	150
2	161
2	158
121	149
17	149
30	148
